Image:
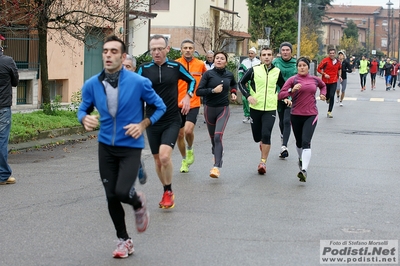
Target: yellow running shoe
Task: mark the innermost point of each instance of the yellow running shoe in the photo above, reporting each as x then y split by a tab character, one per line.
189	157
184	167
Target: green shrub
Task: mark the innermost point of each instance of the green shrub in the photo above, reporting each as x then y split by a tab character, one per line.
53	107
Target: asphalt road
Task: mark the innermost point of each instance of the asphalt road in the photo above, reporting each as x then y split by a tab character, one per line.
56	213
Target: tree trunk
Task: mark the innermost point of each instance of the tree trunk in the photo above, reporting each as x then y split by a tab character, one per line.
44	75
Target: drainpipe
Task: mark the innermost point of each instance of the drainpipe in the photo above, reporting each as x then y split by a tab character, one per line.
149	28
233	15
194	22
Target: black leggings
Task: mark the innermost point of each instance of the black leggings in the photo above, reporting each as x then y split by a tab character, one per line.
303	129
118	170
284	121
263	122
330	93
393	81
363	79
373	77
216	118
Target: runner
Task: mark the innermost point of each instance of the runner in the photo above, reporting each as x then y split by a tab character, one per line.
373	70
330	69
346	68
363	71
304	113
130	64
287	65
196	68
162	136
263	98
118	96
388	67
214	87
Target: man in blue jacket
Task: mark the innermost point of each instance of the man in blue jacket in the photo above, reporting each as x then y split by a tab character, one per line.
118	95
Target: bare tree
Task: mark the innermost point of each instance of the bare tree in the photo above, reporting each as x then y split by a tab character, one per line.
66	22
213	33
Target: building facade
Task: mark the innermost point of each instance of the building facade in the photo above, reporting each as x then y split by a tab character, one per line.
379	27
212	24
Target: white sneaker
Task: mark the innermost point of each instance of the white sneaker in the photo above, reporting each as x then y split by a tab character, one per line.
341	104
246	120
337	99
284	152
124	249
142	216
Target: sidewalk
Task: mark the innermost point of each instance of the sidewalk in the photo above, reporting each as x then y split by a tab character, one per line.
63	139
56	140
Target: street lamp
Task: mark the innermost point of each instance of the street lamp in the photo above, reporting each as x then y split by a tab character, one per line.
267	33
376	13
389	4
298	30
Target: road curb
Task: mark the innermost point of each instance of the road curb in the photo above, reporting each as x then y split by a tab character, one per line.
50	138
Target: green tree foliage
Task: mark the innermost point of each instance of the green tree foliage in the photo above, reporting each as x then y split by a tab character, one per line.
282	17
351	31
349	44
309	43
312	13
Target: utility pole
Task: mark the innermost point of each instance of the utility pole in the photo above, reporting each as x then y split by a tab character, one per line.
389	4
299	31
368	41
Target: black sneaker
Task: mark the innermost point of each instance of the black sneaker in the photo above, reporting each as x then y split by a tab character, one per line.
142	173
302	175
300	164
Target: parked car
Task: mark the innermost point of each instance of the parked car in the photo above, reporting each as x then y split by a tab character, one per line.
173	50
173	54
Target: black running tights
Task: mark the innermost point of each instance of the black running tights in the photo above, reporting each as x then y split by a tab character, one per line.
118	170
303	129
216	118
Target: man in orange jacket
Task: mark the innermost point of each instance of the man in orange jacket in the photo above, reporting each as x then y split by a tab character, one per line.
196	68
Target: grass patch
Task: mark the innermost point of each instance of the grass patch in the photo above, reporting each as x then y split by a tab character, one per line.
27	126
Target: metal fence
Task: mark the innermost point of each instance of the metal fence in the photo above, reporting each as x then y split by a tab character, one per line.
23	47
22	91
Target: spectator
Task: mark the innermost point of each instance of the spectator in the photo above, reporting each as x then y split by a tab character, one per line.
8	78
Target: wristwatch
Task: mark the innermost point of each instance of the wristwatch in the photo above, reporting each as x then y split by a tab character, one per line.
190	94
290	90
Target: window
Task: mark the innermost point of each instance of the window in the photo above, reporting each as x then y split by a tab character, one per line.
384	42
55	87
229	45
160	5
22	92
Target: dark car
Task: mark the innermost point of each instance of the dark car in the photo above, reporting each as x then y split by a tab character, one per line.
173	49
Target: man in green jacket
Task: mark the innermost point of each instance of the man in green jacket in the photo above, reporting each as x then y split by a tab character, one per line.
287	64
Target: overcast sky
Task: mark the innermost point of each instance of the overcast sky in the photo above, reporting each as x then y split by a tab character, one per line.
367	3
